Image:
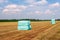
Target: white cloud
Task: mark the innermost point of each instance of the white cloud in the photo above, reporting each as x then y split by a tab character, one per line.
33	2
12	8
53	8
48	11
37	4
42	2
2	1
30	1
54	5
31	5
22	7
38	12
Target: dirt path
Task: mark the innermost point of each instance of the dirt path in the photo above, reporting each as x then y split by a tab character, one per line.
49	34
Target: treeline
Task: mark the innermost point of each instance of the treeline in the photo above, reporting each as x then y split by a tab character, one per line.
58	19
15	20
8	20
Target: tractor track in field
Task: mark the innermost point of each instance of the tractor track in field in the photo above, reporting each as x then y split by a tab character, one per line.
29	36
33	34
48	34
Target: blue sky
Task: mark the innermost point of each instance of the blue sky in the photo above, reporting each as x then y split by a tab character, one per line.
30	9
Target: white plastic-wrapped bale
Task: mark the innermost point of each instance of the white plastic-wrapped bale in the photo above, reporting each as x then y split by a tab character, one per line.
24	25
53	21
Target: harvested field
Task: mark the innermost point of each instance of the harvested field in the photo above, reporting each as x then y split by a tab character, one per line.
42	30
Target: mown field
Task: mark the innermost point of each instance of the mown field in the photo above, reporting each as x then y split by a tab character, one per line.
41	30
